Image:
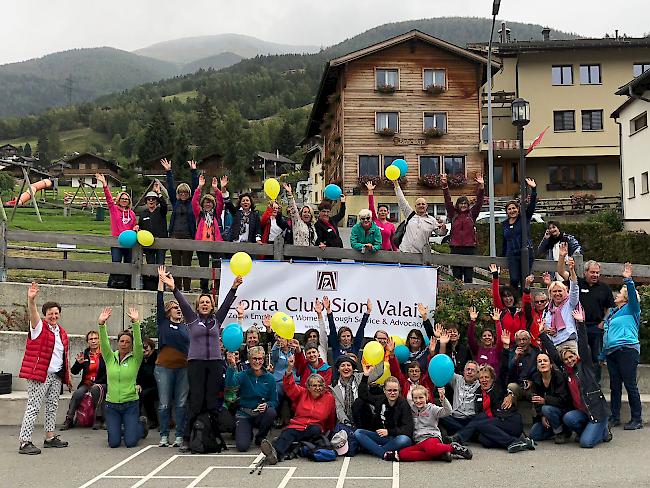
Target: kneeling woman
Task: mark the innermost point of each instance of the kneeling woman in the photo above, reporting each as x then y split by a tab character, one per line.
258	398
122	405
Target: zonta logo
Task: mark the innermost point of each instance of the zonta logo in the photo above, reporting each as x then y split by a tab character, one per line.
327	280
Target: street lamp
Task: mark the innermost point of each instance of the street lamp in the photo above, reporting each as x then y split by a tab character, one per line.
493	238
521	118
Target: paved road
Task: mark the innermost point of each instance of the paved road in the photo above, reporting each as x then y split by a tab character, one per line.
89	462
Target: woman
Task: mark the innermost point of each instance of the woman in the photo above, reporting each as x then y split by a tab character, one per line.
122	218
182	224
488	351
511	228
426	432
280	354
171	365
153	218
462	217
204	358
417	347
313	336
380	218
207	212
327	231
551	399
310	362
273	223
146	382
415	375
93	380
621	349
122	408
302	223
246	225
342	341
258	398
313	414
559	320
588	419
549	246
365	236
392	422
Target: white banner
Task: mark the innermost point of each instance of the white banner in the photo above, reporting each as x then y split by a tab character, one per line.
286	287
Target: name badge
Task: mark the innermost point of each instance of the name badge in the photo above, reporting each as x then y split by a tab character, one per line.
584	291
483	356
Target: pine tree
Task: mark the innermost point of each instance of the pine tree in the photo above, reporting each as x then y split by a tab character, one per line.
43	148
181	156
27	150
204	134
158	136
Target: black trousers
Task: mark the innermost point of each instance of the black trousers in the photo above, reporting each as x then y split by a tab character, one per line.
148	399
493	431
98	393
289	436
465	273
206	381
204	262
595	339
152	256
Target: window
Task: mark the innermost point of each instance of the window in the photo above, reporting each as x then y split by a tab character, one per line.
640	68
592	120
393	210
630	188
429	165
436	209
564	120
573	176
435	120
387	120
639	122
368	165
437	77
562	75
644	183
388	160
315	178
82	165
387	78
590	74
455	165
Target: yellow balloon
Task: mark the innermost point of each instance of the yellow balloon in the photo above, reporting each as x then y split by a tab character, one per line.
398	341
283	325
145	238
272	188
382	379
373	353
392	172
241	264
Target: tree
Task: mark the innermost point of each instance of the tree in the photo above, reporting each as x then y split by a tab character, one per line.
205	129
158	136
285	141
27	150
181	156
43	148
234	141
116	142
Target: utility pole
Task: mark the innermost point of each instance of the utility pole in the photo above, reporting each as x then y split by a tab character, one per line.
68	86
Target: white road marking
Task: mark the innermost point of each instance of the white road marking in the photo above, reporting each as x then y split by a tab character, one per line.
118	465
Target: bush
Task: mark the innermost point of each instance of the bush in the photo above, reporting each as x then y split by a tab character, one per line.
453	301
644	332
610	218
7	183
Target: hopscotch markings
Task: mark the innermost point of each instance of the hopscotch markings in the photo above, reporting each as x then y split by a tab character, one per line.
343	473
207	471
153	472
395	475
118	465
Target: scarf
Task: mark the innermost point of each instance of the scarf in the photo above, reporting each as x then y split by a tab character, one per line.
415	356
322	367
348	396
329	224
487	403
245	218
126	216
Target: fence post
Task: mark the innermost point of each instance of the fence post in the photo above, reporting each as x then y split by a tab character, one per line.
3	251
136	268
278	248
580	264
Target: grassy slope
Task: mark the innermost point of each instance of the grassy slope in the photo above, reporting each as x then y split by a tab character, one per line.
72	140
181	97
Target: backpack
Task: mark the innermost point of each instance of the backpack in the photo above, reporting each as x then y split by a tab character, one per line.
319	450
85	414
401	230
205	436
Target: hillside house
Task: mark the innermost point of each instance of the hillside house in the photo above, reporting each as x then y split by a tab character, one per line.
83	167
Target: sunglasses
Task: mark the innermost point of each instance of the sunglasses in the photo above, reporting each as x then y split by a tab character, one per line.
541	301
151	199
366	218
174	307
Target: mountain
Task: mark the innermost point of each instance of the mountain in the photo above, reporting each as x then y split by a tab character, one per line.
188	49
216	62
34	85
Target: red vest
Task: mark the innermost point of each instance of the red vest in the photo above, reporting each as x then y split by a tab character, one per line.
38	353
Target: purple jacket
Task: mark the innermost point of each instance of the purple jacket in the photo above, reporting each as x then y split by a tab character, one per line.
482	354
205	334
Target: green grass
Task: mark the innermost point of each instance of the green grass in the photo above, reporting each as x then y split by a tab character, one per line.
78	140
53	221
181	97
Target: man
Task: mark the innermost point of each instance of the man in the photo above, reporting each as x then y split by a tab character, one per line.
522	365
45	367
464	387
420	224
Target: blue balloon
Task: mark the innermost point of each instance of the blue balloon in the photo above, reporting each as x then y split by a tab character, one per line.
332	192
232	337
402	354
128	238
403	167
441	370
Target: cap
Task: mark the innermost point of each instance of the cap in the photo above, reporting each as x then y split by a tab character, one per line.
344	359
340	442
151	194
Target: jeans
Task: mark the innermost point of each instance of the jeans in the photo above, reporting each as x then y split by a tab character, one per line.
173	387
377	445
182	258
289	436
595	339
125	415
622	365
454	424
244	427
465	273
353	445
514	267
591	433
554	415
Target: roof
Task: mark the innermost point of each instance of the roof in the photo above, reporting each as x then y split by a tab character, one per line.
334	66
561	44
79	156
274	157
4	146
635	88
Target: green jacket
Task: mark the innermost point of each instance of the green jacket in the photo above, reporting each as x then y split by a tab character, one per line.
359	237
121	374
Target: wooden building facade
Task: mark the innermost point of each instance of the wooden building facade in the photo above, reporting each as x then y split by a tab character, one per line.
82	168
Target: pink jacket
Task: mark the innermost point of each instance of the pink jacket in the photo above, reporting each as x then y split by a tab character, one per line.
199	215
387	229
121	220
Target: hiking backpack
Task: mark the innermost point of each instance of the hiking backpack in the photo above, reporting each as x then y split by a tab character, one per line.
205	436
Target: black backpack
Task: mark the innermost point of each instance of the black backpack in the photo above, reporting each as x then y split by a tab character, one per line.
317	448
401	230
205	436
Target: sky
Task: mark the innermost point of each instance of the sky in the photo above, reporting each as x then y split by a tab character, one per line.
33	28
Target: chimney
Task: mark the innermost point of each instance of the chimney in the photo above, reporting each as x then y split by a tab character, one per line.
507	35
546	34
502	33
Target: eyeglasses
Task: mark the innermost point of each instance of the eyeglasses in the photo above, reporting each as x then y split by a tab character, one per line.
541	301
366	218
174	307
317	385
415	338
151	199
257	359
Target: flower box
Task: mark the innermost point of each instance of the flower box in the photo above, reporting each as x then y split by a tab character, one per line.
386	88
435	89
386	132
433	132
433	181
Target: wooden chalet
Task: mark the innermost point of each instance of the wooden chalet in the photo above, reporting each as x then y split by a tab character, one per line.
83	167
152	167
8	150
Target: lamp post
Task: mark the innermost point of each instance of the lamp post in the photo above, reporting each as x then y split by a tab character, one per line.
521	118
493	242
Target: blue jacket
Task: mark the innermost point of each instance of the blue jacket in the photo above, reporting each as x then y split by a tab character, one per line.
335	344
547	245
169	334
253	390
622	323
171	190
511	245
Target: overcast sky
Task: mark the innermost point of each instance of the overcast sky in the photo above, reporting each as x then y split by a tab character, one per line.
33	28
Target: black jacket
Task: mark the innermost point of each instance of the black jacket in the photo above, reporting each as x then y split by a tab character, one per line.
146	378
176	204
520	369
497	393
156	221
254	225
459	354
325	234
590	391
100	376
398	419
556	394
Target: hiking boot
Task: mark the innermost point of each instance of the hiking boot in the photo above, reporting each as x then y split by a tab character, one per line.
55	442
258	441
460	450
97	425
614	422
530	444
456	439
562	437
391	456
178	442
67	424
608	436
446	456
633	425
164	441
269	451
28	448
517	446
145	426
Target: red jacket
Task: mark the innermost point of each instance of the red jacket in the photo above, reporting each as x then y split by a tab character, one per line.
463	232
404	382
309	410
304	371
38	353
513	323
265	221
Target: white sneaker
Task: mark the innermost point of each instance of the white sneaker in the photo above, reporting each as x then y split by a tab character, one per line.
164	441
178	442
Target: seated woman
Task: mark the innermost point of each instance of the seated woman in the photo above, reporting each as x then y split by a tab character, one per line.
414	373
310	362
392	422
551	400
146	385
92	367
122	406
342	341
488	351
429	445
590	413
258	398
313	414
